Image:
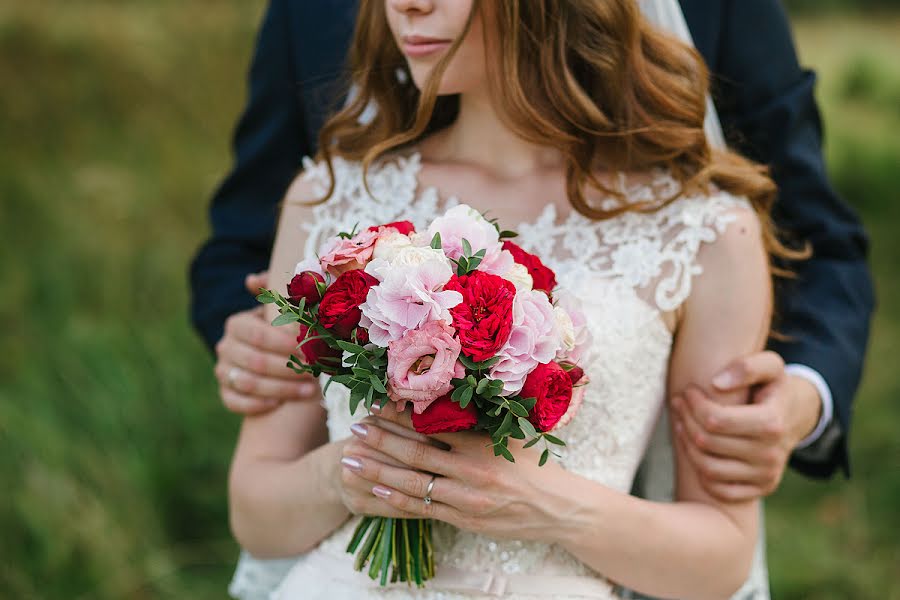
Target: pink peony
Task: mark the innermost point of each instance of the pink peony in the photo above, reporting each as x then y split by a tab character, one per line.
421	365
534	339
340	255
464	222
410	294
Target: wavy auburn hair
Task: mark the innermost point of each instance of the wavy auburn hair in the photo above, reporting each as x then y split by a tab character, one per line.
590	78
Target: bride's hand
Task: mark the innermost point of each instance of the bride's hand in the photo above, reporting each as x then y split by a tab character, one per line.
473	490
355	491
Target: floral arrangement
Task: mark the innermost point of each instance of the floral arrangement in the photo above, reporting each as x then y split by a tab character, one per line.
459	323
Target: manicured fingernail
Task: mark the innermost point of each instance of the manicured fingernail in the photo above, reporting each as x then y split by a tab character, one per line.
725	380
351	463
381	492
376	409
359	430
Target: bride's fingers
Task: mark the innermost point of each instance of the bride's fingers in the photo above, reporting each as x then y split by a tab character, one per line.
410	482
359	500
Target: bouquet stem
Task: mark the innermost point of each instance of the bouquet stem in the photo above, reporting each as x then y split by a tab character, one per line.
399	548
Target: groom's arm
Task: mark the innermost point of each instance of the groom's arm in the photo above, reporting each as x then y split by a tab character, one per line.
269	143
769	112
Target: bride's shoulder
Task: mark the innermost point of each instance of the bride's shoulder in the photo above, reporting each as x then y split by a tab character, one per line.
313	181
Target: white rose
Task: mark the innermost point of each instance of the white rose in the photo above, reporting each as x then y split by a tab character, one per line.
389	244
566	329
519	276
409	257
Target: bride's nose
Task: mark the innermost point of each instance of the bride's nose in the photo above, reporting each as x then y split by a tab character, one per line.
412	6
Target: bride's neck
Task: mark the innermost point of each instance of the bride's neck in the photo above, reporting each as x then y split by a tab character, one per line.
480	137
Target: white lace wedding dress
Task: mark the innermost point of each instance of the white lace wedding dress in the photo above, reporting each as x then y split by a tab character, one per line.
626	272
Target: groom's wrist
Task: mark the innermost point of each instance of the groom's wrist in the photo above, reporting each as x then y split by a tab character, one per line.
804	410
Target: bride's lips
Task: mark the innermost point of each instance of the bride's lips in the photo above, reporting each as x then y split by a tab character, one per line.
419	45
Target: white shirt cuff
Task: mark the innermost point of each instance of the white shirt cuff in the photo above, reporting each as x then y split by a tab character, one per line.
813	376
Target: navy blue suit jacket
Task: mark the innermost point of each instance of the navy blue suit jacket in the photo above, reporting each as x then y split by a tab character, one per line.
767	109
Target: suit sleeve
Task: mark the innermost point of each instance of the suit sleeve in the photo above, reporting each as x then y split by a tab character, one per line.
769	113
269	143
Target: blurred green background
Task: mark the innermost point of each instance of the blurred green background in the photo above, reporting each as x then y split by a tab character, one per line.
116	118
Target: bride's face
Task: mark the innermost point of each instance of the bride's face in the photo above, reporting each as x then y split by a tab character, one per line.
424	31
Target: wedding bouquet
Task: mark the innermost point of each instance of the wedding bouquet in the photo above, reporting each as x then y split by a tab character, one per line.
457	321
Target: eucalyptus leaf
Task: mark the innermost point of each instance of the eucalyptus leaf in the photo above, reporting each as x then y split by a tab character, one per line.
350	347
266	297
544	456
466	248
436	241
528	428
377	384
517	408
531	442
507	454
554	440
284	319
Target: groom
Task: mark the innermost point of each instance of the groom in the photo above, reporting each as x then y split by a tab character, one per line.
799	413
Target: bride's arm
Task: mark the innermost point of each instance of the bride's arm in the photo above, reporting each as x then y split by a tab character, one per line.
283	485
697	547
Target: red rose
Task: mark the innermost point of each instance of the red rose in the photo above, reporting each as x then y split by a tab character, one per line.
445	416
551	386
544	278
304	285
339	309
484	317
317	351
403	227
575	373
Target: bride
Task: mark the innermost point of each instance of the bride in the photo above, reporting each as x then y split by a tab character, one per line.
580	126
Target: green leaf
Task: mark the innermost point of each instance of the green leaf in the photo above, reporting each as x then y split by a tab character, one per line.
528	428
473	263
284	319
531	442
517	408
507	454
466	248
544	456
350	347
488	363
377	384
528	403
505	424
554	440
480	253
361	373
465	398
266	297
506	233
456	396
471	380
436	241
482	385
468	362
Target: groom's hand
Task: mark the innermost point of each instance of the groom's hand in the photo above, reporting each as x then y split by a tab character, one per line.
252	362
741	451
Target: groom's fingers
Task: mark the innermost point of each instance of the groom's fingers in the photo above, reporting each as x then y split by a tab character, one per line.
745	420
244	404
251	327
756	369
737	448
254	281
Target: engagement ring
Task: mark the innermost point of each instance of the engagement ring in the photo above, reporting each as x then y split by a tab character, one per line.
430	487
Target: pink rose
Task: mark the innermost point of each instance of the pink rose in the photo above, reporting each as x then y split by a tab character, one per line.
340	255
421	365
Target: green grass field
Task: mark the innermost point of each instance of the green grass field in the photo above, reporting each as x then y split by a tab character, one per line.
113	444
